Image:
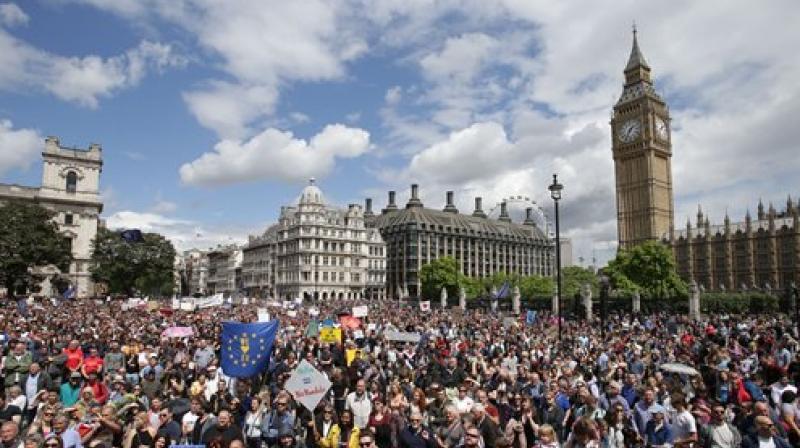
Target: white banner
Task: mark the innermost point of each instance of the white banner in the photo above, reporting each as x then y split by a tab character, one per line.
208	302
402	336
360	311
176	303
263	315
307	385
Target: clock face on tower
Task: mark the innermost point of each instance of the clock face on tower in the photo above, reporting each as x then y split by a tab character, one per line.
661	129
630	130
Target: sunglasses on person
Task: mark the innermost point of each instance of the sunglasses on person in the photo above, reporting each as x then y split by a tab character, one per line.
473	435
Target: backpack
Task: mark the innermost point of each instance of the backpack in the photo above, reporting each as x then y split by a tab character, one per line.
755	392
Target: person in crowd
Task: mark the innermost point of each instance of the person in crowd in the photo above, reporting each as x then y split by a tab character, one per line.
765	435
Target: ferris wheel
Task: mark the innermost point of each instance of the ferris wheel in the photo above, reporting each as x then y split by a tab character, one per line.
516	205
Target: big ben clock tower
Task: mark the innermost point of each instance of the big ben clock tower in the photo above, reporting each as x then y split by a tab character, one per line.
642	148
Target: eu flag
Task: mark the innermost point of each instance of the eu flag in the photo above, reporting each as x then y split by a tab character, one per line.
504	290
246	347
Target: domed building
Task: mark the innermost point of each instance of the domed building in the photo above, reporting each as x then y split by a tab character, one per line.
321	252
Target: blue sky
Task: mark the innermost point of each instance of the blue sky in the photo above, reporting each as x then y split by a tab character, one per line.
213	114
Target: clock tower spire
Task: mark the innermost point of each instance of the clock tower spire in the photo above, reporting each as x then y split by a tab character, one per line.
642	150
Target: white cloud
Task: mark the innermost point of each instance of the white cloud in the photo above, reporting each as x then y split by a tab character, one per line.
183	233
83	80
227	108
12	15
299	117
275	154
18	147
393	95
461	57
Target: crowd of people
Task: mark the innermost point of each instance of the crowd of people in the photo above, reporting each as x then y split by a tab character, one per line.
90	373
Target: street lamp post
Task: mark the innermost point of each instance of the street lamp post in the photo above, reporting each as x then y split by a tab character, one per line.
555	193
604	286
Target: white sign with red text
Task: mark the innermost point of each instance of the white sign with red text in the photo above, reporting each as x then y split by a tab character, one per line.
307	385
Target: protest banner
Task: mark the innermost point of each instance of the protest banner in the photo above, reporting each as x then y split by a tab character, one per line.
330	335
360	311
307	385
177	332
402	336
263	315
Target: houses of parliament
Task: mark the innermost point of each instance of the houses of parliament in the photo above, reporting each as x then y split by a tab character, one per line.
761	253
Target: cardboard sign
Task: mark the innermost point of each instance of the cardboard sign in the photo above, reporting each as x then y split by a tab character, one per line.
176	304
263	315
371	327
291	313
358	334
425	306
330	335
360	311
313	312
307	385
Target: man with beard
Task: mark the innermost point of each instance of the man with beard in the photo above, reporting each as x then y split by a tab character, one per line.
415	435
225	429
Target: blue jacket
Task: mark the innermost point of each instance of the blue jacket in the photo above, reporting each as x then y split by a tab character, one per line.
409	439
660	437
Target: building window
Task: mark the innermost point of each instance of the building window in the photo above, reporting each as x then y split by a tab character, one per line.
68	219
72	182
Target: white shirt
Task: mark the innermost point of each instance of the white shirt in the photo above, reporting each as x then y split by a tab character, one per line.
683	425
361	407
464	405
766	443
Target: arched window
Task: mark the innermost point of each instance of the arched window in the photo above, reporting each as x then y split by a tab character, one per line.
72	182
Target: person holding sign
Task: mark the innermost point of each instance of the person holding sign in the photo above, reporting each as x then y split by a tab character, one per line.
324	430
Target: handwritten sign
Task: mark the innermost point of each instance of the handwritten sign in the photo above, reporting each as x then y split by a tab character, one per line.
263	315
307	385
330	335
360	311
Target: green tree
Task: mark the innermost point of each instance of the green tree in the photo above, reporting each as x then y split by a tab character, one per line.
473	286
648	267
537	286
146	265
574	277
440	273
28	238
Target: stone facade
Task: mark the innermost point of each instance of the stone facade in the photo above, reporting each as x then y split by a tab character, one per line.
70	188
316	252
195	274
482	246
752	254
258	264
642	151
225	270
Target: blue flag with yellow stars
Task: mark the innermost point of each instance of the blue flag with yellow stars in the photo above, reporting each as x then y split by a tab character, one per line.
246	347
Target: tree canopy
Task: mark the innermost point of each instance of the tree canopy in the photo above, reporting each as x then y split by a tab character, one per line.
648	268
145	266
29	238
438	274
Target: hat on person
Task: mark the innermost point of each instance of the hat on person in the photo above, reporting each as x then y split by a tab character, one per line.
118	379
75	375
657	409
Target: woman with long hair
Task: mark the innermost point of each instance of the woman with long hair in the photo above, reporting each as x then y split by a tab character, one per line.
397	399
160	441
419	404
380	424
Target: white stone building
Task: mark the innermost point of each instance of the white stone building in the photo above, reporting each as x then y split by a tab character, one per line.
71	188
317	252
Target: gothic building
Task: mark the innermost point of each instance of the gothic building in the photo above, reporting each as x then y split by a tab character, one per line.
70	188
482	246
753	254
642	151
